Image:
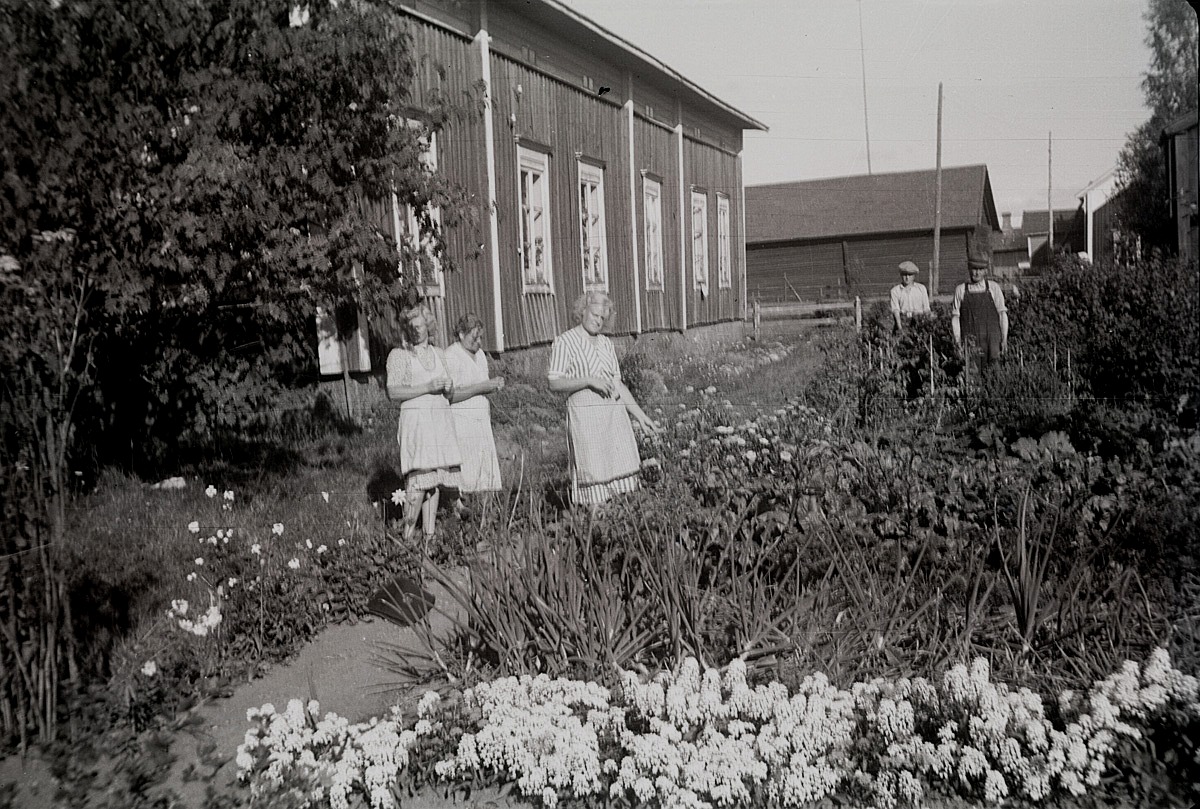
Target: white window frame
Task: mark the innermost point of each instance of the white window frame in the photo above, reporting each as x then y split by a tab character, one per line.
699	228
593	235
407	227
724	247
533	190
652	224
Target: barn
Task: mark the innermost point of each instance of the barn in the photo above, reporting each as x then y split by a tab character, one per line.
822	239
593	166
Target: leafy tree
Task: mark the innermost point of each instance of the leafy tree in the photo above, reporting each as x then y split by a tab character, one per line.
1143	207
181	185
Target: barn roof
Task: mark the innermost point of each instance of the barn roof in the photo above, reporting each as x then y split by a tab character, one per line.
1034	223
866	204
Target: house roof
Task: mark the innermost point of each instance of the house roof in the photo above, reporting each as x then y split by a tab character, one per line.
872	203
1037	222
561	16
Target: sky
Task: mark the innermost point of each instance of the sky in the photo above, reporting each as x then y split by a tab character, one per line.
1044	92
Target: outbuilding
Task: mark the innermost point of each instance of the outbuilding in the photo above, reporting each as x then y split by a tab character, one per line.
824	239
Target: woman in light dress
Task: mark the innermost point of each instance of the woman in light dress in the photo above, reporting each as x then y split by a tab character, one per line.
468	367
583	365
429	454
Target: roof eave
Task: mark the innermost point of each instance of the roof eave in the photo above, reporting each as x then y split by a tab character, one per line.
655	64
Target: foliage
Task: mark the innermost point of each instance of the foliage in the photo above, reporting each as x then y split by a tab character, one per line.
1132	329
1170	86
181	186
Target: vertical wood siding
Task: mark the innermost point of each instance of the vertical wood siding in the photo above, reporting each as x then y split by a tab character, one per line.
449	65
654	150
834	268
548	113
716	172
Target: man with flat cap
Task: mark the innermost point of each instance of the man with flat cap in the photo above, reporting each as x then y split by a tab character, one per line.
909	299
978	316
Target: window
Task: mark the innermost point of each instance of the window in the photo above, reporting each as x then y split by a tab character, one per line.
415	226
700	241
534	220
652	217
593	246
724	256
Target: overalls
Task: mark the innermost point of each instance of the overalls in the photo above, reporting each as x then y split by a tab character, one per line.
980	323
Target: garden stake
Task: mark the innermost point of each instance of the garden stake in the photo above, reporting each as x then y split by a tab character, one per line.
932	390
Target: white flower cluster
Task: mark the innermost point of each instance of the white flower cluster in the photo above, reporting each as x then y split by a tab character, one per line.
693	738
326	761
543	734
202	624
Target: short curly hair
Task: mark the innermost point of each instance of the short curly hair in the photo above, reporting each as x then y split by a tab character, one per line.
467	324
413	312
587	299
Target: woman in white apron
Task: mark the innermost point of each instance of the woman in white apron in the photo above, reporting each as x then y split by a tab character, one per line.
468	367
429	455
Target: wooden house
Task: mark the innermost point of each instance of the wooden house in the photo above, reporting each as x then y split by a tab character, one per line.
819	239
1010	252
592	166
1098	202
1069	234
1181	141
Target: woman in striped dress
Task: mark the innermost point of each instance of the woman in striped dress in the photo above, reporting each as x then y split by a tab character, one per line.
583	365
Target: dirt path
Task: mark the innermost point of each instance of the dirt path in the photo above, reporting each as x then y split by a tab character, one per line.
339	668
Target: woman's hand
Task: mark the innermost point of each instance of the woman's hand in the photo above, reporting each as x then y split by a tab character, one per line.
602	385
440	384
648	424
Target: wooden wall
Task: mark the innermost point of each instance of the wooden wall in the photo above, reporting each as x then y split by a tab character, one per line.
715	171
830	268
656	154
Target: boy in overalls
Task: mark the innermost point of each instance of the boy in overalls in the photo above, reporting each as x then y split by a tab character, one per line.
978	316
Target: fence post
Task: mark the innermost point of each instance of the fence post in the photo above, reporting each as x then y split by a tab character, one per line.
932	387
857	313
757	318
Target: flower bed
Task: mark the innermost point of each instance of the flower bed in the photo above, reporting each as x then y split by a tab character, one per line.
697	738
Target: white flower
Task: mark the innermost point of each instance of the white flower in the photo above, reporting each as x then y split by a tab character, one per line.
256	549
322	549
341	542
751	455
211	491
298	16
200	560
325	496
398	497
294	563
191	576
277	529
150	668
228	495
179	607
785	456
194	526
308	544
232	581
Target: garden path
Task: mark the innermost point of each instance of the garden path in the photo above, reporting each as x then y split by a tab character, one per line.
339	669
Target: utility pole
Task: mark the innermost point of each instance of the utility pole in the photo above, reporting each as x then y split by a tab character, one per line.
863	61
1050	191
935	273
